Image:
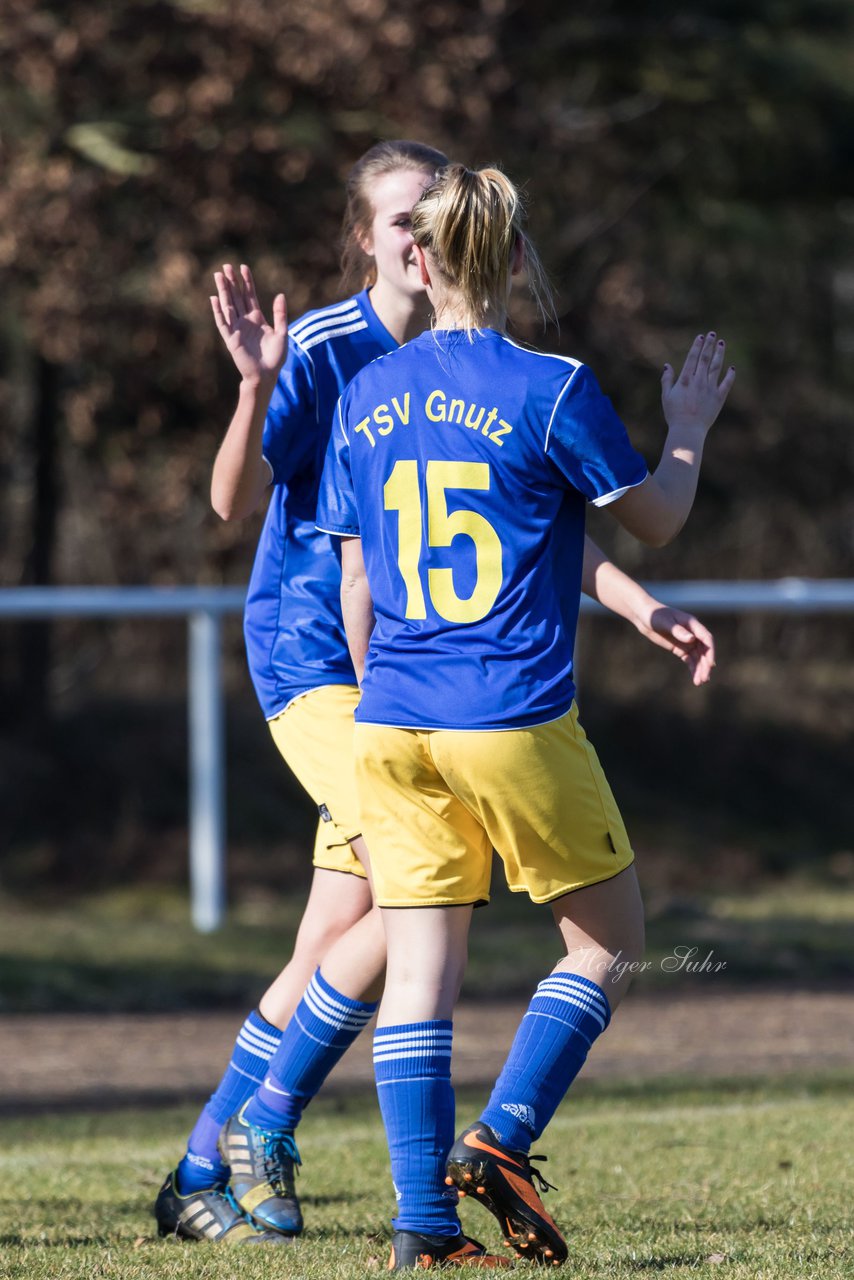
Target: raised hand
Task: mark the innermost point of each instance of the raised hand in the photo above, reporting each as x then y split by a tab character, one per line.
696	397
683	635
257	349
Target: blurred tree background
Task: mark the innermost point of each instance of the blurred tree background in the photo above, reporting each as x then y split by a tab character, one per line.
688	166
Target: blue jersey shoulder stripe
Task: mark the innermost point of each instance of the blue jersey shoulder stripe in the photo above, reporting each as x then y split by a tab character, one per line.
341	420
563	392
304	335
305	328
334	309
328	334
548	355
307	333
544	355
310	338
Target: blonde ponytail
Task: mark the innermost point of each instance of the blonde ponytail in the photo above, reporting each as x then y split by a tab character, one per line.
469	221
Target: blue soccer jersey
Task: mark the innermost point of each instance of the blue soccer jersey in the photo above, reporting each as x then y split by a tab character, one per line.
464	464
292	622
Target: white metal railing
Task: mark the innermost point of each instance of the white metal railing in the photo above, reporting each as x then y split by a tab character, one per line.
204	608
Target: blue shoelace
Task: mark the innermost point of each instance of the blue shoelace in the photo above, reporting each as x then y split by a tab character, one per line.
281	1160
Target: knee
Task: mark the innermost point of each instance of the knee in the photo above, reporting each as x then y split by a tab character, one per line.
422	977
316	937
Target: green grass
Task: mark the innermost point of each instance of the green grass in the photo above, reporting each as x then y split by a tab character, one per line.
743	1182
134	948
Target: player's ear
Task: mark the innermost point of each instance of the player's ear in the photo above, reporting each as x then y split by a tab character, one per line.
517	256
423	269
364	239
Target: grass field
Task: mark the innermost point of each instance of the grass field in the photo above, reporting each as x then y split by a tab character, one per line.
681	1179
134	949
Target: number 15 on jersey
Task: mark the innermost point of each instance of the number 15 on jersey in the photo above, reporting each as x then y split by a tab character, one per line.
402	493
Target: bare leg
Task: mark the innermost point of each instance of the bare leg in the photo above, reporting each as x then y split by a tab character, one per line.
603	932
355	963
602	928
427	953
329	1015
336	903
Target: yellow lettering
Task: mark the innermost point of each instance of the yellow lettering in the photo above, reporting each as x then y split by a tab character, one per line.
456	406
490	418
403	413
428	407
474	424
363	426
401	493
503	430
444	526
381	414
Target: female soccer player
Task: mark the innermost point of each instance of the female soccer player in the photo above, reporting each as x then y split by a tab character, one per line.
307	688
457	476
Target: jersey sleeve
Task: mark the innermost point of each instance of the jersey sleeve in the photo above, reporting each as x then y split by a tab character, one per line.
336	500
588	443
290	428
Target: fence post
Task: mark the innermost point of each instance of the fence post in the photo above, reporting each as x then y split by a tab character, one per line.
207	772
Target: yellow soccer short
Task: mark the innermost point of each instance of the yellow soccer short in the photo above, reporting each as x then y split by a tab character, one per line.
435	803
314	735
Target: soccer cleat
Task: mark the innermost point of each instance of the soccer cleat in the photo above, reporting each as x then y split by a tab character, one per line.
263	1165
410	1249
207	1215
501	1179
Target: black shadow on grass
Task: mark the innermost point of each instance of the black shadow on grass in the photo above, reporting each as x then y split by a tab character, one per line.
342	1098
61	1242
361	1231
663	1264
95	1103
342	1197
833	1083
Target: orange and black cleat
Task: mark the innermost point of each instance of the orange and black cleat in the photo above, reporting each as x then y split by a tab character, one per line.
410	1249
502	1180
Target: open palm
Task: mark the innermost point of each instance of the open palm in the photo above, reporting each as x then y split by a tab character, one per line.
257	348
696	397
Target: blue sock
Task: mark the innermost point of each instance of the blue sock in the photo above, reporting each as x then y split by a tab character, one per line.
256	1043
323	1027
565	1016
412	1065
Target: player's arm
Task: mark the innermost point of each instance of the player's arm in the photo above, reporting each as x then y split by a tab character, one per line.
338	515
672	629
357	607
241	474
655	510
